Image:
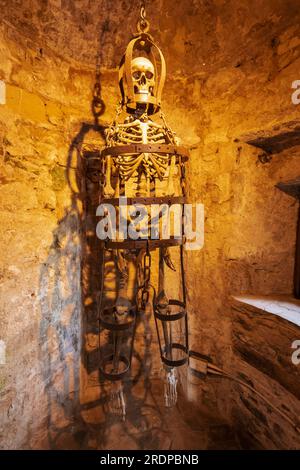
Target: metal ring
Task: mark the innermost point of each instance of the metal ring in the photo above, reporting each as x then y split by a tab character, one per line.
170	316
114	375
178	362
113	325
143	25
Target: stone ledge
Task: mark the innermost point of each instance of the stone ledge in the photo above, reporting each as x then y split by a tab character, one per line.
275	139
284	306
292	187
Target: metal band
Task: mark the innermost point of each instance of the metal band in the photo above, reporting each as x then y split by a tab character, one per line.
114	375
150	99
178	362
146	201
127	68
162	75
113	325
138	244
144	40
121	84
146	148
171	316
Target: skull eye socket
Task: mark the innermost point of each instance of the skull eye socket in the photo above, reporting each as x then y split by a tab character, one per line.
137	75
149	75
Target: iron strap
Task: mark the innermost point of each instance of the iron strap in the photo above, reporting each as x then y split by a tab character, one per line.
138	244
131	201
146	148
175	362
114	323
147	277
107	361
170	316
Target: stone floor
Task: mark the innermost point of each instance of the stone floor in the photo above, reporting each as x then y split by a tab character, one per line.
149	425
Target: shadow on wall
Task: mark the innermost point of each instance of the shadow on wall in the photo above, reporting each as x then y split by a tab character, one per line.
77	416
61	307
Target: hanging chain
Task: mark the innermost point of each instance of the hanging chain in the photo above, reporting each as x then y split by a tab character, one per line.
182	175
143	24
110	131
118	111
146	278
143	10
171	134
102	175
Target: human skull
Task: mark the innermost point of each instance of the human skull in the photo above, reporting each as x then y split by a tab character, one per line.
143	78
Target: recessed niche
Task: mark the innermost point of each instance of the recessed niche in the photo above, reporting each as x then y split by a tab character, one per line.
292	188
276	139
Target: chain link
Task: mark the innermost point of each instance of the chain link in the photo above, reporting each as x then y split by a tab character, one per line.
143	11
102	178
146	278
182	175
171	134
143	25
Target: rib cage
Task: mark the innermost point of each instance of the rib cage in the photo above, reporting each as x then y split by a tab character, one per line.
138	132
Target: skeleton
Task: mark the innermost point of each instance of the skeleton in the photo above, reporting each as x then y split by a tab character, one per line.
135	173
140	129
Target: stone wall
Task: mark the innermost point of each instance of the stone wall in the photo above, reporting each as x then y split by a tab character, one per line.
230	68
47	103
